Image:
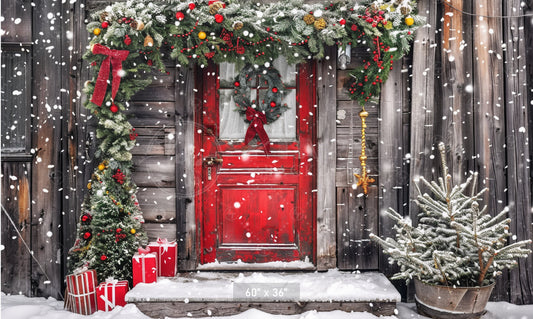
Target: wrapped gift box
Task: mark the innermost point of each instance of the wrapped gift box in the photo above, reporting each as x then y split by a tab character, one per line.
81	292
167	256
144	268
111	293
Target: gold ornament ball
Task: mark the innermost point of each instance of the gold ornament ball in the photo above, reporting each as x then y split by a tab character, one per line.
133	231
202	35
97	31
409	21
89	185
101	167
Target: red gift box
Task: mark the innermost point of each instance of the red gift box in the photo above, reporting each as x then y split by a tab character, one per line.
111	293
167	256
81	292
144	268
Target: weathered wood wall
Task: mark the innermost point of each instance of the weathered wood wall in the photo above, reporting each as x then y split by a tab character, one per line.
470	89
467	82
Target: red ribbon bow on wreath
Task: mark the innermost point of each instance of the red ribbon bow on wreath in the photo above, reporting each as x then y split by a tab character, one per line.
114	59
257	119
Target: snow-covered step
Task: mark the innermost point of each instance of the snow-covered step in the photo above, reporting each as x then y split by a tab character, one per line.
203	294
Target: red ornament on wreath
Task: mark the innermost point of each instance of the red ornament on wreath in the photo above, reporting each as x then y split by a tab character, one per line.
87	235
274	90
237	84
272	104
103	257
105	24
180	16
113	108
219	18
192	6
127	40
342	22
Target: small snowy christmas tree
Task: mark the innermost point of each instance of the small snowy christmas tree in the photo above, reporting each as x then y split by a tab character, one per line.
455	242
109	231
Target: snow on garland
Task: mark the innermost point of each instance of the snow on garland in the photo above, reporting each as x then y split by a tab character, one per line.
132	38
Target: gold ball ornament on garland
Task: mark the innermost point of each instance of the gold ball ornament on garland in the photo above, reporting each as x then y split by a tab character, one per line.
148	41
133	231
409	21
89	185
202	35
97	31
101	166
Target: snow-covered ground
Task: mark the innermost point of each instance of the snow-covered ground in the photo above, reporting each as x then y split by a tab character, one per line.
21	307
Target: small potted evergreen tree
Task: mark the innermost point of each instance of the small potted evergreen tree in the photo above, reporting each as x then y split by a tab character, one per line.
455	252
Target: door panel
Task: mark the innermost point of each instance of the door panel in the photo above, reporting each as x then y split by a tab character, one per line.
252	206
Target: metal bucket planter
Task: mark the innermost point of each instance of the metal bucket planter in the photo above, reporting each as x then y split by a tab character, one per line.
445	302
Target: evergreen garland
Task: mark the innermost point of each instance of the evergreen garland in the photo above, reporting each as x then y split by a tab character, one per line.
200	31
270	104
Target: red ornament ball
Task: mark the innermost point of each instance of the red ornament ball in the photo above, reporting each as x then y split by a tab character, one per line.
342	22
113	108
237	84
103	257
274	90
87	235
127	40
192	6
119	230
180	16
219	18
354	27
105	24
272	104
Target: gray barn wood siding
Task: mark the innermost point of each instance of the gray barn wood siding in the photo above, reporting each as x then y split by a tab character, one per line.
426	99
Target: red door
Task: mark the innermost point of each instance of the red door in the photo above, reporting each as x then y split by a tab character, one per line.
254	206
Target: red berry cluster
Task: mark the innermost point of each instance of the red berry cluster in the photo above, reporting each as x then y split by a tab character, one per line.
119	176
374	18
133	135
127	40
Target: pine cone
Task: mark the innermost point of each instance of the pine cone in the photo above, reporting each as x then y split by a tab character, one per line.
309	19
320	24
103	16
374	7
214	7
405	10
134	24
237	25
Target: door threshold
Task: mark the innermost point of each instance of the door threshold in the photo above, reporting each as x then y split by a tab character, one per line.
268	266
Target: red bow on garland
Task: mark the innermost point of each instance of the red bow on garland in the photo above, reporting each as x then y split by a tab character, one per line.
114	59
257	120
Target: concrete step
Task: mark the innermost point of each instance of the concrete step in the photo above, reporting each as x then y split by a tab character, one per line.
202	294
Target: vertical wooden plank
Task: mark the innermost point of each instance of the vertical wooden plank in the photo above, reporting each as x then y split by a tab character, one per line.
489	114
453	119
357	217
518	156
326	211
391	157
46	141
73	126
16	204
423	100
185	130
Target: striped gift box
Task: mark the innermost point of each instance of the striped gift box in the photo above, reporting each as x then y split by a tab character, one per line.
81	292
